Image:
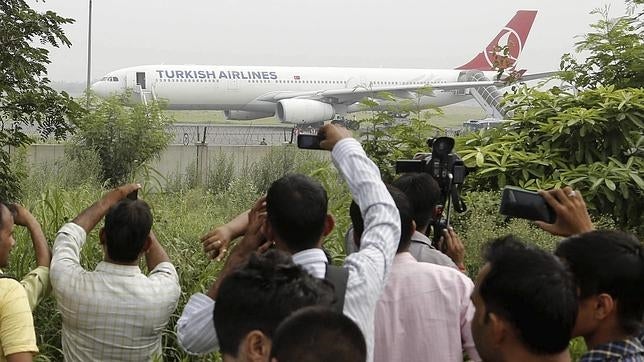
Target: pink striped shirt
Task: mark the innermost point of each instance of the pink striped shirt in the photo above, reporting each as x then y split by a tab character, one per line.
424	314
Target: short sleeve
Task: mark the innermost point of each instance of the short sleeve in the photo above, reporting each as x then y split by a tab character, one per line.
164	270
37	286
16	322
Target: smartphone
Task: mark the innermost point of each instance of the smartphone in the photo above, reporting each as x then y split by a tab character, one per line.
525	204
308	141
134	195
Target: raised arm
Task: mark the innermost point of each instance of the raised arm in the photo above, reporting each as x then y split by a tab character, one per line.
93	214
195	328
41	249
36	282
216	241
381	218
253	241
155	254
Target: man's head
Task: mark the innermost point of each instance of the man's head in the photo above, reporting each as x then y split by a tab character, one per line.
609	269
126	231
525	302
317	334
7	241
254	299
296	207
407	225
423	193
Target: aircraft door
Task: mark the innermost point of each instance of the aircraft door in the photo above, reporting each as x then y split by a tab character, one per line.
140	80
233	84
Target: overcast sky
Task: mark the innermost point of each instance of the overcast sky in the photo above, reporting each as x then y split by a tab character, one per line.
394	34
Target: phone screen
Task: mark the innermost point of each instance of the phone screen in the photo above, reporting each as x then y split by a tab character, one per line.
526	204
308	141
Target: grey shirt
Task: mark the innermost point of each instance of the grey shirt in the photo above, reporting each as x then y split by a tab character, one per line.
422	250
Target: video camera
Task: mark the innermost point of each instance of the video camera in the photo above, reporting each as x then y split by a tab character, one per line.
448	170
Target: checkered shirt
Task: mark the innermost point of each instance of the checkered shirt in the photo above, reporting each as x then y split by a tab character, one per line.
114	313
628	350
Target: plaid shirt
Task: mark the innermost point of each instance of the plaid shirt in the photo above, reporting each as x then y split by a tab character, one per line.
628	350
114	313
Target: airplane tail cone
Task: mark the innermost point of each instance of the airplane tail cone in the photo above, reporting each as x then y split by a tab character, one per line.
514	35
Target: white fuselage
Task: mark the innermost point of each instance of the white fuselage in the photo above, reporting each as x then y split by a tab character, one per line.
239	87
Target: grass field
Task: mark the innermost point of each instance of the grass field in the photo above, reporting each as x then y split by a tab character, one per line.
453	116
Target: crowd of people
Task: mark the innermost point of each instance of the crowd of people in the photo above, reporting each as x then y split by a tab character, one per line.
278	297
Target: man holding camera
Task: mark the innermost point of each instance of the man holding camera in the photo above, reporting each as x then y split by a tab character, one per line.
297	222
114	313
609	269
424	194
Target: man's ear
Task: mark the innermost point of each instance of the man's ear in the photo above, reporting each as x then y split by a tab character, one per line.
257	346
329	224
436	213
147	244
604	306
267	230
498	328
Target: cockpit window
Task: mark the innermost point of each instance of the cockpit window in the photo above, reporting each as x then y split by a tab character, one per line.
110	79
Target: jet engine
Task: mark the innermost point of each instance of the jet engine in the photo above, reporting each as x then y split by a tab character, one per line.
302	111
246	115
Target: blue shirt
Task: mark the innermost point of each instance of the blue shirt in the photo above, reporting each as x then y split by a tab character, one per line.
628	350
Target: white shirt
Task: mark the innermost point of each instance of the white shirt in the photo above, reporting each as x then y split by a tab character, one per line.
368	268
114	313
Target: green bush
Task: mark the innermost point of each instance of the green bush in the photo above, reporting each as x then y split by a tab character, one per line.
124	138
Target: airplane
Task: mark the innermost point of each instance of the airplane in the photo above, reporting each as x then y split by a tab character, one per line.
305	95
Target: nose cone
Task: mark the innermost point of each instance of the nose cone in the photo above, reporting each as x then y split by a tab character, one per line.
100	89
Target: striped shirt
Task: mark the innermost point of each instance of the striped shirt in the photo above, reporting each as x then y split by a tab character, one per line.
368	268
114	313
628	350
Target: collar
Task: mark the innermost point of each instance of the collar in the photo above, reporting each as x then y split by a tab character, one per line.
418	237
312	260
308	256
404	258
118	269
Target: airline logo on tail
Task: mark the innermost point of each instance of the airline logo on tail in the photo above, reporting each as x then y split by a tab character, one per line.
513	35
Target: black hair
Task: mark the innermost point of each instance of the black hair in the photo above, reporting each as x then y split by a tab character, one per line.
9	207
317	334
406	218
261	294
296	207
423	193
532	290
610	262
127	226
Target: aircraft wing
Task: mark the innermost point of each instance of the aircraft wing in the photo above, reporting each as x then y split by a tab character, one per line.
351	95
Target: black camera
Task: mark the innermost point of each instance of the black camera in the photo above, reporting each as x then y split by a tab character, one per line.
448	170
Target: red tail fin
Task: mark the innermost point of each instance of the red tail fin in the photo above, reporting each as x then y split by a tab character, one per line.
514	35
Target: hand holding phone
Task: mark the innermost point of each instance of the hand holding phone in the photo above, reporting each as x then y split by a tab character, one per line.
572	214
524	204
